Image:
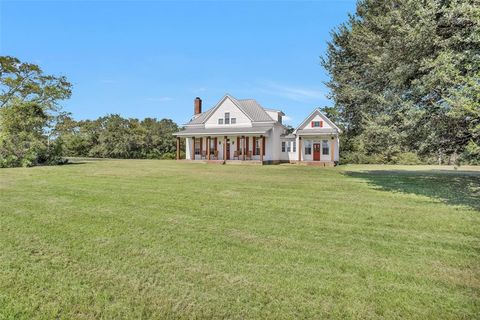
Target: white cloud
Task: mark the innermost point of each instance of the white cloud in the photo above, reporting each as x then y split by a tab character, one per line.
160	99
292	92
198	90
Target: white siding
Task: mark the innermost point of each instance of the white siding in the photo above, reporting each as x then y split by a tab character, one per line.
272	114
317	117
334	142
228	106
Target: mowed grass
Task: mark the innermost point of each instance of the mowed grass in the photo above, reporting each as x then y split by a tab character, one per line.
161	239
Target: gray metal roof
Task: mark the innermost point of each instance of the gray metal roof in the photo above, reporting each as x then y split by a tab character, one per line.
222	131
312	132
253	110
202	117
250	107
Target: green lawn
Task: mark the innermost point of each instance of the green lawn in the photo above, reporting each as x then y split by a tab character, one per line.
160	239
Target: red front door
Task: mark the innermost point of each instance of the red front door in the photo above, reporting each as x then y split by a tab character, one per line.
316	152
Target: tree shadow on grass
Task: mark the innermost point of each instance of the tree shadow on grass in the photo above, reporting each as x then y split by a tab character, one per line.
451	187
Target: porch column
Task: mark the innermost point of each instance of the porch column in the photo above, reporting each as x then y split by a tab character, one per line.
192	155
225	148
299	149
208	148
332	151
243	148
178	148
261	149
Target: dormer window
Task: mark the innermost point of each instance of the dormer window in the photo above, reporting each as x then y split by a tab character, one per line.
317	124
227	117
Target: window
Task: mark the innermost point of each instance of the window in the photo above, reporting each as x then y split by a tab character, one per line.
233	120
317	124
289	148
257	146
227	117
308	147
325	148
220	121
212	146
197	146
294	146
283	146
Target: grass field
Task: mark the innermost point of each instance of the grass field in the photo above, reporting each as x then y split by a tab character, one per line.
160	239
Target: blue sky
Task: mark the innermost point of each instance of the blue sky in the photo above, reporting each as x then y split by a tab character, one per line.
152	58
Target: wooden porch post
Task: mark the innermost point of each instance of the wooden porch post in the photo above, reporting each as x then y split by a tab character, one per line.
192	156
243	148
261	149
332	156
299	149
225	148
178	148
208	148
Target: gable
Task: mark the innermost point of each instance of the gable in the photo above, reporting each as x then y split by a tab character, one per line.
317	117
227	105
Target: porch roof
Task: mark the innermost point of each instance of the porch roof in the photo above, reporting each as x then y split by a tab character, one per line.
316	132
188	132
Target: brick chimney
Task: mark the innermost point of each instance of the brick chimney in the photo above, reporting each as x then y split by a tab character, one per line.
197	106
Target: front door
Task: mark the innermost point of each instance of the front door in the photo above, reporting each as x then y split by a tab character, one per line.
316	152
228	149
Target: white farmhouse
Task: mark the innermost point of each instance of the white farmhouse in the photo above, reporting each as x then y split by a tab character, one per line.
241	130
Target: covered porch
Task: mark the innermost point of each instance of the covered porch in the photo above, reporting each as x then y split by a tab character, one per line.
249	146
318	150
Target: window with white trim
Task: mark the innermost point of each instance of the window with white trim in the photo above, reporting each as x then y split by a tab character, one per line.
308	147
227	117
233	120
197	146
283	146
289	147
294	146
220	121
325	148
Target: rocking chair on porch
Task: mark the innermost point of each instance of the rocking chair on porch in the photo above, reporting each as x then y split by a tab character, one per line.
236	154
249	155
215	154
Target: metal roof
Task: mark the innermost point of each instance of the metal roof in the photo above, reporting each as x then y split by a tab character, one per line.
254	110
313	132
250	107
223	131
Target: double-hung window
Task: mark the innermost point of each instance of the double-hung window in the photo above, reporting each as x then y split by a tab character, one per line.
283	146
325	148
220	121
294	146
197	146
289	146
308	147
227	117
233	120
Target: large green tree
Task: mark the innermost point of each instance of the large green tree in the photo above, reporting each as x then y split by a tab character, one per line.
29	103
405	77
113	136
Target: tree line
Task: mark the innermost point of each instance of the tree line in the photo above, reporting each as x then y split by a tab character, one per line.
35	131
405	79
113	136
